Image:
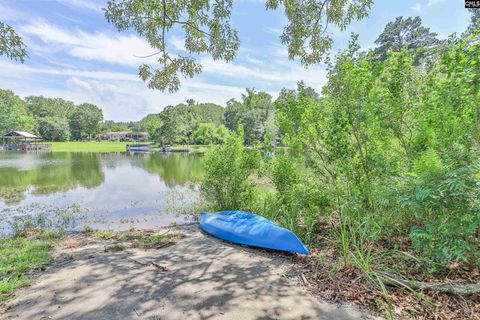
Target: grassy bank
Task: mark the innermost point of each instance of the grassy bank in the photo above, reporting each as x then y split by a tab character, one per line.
91	146
22	254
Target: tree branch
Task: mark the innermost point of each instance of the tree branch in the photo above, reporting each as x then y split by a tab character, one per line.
456	288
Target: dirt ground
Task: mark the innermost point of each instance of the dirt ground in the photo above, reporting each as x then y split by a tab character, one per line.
199	277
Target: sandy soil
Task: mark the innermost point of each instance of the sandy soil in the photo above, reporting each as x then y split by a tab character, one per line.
199	277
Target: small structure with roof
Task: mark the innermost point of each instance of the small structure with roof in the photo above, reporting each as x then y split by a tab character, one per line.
23	141
124	136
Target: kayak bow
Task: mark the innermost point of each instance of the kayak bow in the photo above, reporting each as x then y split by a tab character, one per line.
250	229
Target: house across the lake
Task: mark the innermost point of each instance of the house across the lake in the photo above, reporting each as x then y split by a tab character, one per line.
124	136
23	141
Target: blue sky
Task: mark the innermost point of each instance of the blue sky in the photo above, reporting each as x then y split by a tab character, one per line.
76	54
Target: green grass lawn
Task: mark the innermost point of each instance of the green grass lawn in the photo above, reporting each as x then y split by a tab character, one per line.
91	146
20	255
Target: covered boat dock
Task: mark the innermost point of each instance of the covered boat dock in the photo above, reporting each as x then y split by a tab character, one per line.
23	141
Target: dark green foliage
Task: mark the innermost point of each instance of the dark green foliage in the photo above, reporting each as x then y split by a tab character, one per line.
178	124
52	117
85	121
13	114
53	128
446	208
256	114
112	126
407	33
298	201
40	107
151	123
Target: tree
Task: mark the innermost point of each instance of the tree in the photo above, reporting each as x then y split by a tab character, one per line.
112	126
176	124
52	116
474	21
406	33
207	133
209	112
11	44
207	30
152	124
85	121
204	134
13	114
253	113
53	128
40	106
221	134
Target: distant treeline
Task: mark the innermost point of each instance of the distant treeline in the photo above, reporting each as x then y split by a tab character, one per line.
209	123
53	119
56	119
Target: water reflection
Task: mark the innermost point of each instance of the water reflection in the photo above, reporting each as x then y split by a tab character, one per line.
43	174
174	169
110	186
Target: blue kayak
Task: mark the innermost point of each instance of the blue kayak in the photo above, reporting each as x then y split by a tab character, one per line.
250	229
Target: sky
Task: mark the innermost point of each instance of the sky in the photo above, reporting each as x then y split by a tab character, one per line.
75	54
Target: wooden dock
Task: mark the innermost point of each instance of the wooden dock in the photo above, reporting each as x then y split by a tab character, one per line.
27	147
138	147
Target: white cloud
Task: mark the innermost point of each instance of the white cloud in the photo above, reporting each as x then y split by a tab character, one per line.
9	14
232	70
417	7
433	2
15	69
280	72
95	5
124	50
122	96
178	43
100	46
273	30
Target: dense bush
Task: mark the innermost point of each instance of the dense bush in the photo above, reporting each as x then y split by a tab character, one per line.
226	182
389	151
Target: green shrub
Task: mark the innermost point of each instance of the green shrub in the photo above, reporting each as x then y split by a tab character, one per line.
226	184
447	210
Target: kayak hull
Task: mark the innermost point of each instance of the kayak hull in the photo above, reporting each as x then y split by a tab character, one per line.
250	229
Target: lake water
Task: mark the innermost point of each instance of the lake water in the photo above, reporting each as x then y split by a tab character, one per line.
101	190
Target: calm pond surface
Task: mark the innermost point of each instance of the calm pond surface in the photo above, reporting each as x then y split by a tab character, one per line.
101	190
